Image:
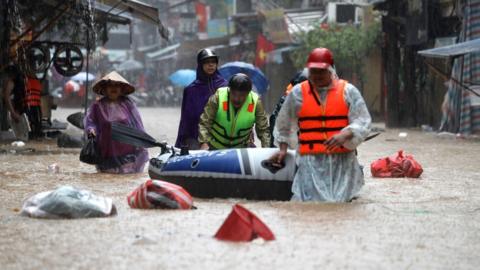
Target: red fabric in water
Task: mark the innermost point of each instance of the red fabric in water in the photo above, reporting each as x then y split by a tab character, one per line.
176	196
396	165
243	225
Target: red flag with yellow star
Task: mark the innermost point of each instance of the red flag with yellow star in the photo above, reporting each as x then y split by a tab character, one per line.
263	47
202	16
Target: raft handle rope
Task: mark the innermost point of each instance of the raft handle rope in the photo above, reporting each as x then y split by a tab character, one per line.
268	164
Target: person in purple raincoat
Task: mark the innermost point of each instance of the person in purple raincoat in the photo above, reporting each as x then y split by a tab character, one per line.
196	95
115	106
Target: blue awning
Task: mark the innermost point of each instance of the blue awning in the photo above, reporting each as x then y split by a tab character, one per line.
461	48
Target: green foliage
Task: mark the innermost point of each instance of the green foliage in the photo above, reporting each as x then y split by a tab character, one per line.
350	44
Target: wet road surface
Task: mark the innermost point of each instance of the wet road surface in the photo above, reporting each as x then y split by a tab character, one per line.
427	223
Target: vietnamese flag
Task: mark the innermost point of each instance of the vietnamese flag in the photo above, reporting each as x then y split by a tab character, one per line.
263	47
201	10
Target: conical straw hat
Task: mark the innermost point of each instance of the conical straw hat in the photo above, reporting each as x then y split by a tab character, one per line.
113	77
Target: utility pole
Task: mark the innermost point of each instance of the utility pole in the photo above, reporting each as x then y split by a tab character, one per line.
4	57
392	66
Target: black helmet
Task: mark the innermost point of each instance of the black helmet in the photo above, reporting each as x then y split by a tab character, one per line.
206	53
240	82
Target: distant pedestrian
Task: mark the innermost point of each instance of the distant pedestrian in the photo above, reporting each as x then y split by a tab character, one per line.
33	106
14	98
196	95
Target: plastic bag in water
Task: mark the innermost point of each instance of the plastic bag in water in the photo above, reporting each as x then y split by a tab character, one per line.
398	165
68	202
90	153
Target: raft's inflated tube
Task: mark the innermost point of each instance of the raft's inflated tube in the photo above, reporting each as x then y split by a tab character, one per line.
230	173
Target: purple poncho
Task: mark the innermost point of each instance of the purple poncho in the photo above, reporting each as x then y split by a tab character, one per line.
195	96
117	157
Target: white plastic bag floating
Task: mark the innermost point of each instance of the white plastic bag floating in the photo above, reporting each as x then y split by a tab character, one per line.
68	202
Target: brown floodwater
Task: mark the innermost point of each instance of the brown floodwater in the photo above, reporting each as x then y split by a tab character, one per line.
427	223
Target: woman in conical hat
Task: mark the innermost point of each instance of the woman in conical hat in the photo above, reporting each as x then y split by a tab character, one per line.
115	106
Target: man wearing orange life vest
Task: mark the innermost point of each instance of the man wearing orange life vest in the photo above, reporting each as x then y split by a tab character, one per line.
332	121
32	104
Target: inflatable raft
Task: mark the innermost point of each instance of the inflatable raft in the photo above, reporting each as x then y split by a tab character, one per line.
231	173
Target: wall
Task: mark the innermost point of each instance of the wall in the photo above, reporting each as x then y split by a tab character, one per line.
279	76
372	86
4	39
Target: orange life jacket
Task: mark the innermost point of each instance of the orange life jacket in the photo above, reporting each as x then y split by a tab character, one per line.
317	123
34	91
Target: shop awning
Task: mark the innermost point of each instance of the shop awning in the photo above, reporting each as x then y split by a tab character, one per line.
453	50
123	11
105	10
101	10
162	51
304	21
166	57
148	48
138	10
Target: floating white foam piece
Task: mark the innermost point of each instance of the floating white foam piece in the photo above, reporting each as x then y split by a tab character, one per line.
18	144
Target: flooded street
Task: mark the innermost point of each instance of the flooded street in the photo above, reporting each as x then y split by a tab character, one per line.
427	223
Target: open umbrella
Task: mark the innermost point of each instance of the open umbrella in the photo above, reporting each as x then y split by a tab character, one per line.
82	76
183	77
76	119
129	65
259	80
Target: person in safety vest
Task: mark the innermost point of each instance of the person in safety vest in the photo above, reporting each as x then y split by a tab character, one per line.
230	114
332	121
32	105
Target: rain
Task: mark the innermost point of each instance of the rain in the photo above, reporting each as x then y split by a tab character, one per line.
122	145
